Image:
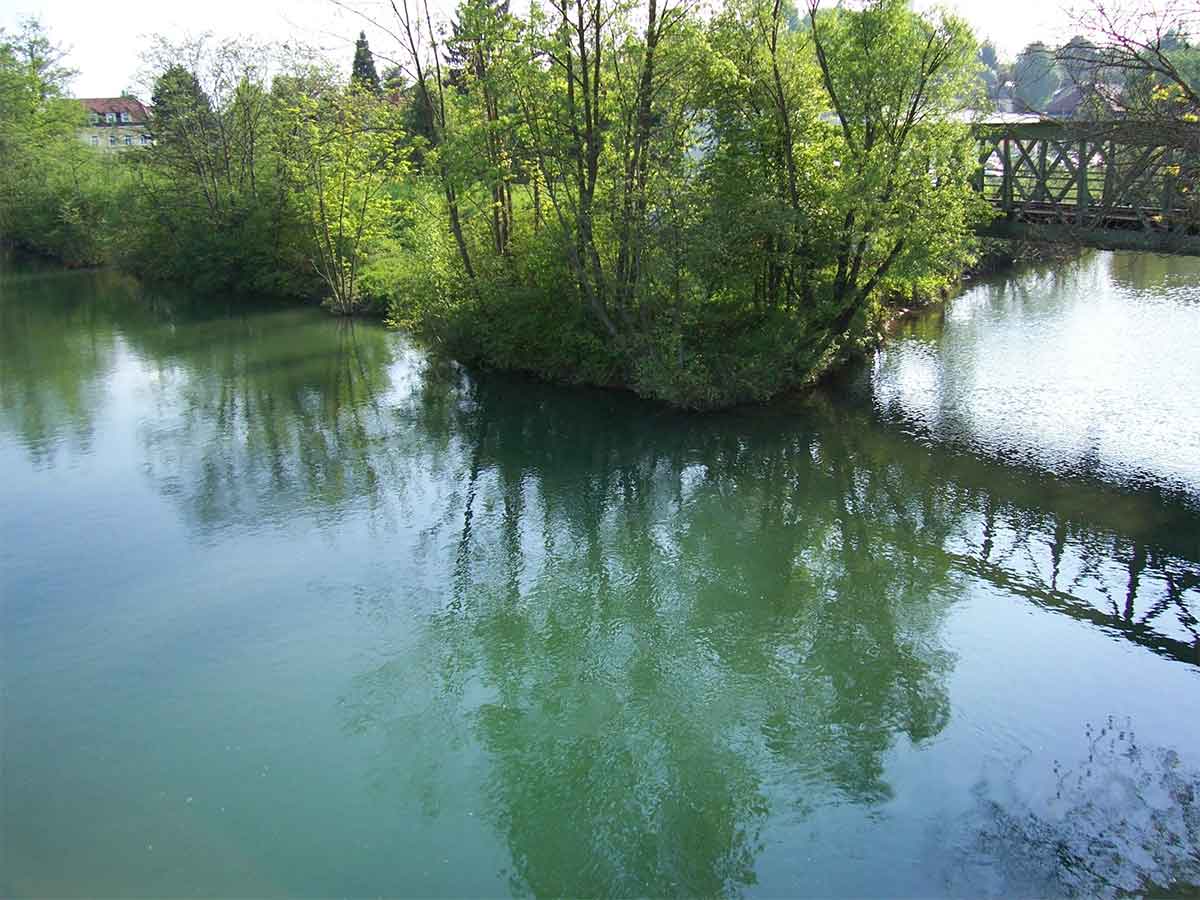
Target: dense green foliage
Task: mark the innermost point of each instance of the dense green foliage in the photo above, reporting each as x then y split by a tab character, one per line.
232	196
54	191
210	203
707	209
342	156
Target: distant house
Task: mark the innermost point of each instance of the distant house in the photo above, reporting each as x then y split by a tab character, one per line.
1066	102
115	123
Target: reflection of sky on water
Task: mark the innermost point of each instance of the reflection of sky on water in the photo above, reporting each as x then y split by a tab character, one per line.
1093	369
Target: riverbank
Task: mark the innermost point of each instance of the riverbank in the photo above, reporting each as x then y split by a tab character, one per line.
536	334
997	256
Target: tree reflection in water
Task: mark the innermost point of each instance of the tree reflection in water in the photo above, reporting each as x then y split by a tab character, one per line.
1122	819
50	375
658	631
651	631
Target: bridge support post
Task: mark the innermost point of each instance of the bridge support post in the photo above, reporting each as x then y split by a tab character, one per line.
1110	180
1082	194
1006	188
982	153
1168	169
1043	189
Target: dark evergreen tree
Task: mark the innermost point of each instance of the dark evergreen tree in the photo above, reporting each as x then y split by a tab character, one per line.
988	55
363	71
181	106
464	49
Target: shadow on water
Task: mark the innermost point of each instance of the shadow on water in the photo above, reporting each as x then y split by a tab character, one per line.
653	625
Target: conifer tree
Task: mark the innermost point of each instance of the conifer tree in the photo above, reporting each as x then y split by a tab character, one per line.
363	71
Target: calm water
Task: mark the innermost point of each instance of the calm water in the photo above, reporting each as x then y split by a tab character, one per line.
289	608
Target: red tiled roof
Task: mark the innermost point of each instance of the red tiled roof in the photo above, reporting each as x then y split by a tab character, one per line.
118	105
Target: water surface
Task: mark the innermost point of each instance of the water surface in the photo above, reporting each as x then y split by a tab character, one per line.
290	607
1088	368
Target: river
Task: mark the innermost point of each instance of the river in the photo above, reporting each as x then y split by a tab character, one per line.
290	607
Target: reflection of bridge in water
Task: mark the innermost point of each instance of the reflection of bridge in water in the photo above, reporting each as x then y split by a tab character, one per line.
1114	185
1138	583
1145	602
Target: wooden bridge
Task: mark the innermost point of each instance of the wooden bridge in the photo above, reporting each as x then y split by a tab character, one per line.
1114	185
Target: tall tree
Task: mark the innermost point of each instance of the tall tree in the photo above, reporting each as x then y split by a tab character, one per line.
421	52
363	71
989	64
1080	61
896	81
480	31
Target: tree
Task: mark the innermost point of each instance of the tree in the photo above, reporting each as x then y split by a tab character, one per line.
422	63
990	67
475	53
895	80
185	131
35	64
1035	76
32	86
1080	60
363	71
987	55
1146	46
342	161
53	189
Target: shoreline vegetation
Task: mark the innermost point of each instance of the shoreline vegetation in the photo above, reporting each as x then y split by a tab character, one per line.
704	209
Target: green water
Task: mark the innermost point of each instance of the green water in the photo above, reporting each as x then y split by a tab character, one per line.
289	607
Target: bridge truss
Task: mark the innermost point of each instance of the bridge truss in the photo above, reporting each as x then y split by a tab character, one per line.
1119	185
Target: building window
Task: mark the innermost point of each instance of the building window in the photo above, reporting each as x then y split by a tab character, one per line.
112	140
110	118
94	118
95	141
128	140
125	117
145	138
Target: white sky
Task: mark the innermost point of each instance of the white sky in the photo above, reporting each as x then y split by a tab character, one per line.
103	36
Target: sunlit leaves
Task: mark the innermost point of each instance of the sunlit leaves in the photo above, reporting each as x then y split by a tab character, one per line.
344	154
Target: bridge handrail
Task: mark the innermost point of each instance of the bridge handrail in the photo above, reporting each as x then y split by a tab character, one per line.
1134	132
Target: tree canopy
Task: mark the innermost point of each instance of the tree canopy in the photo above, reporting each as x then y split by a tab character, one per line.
707	209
